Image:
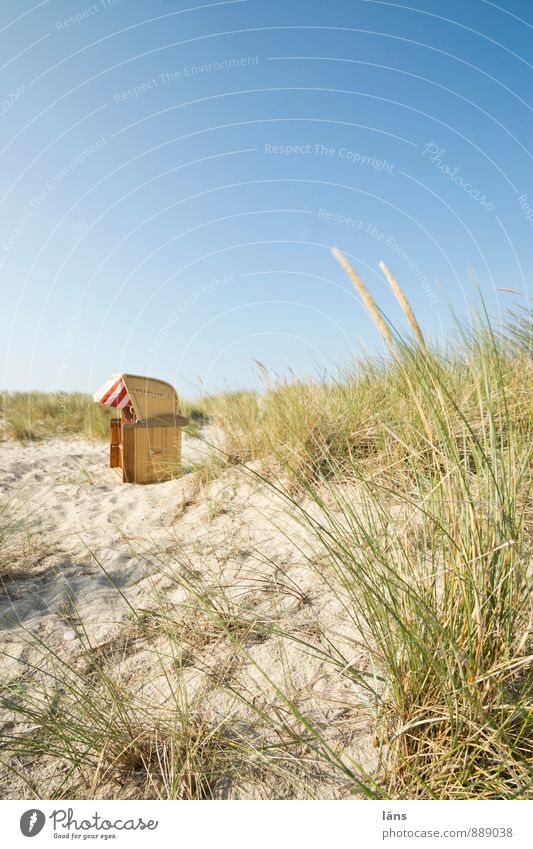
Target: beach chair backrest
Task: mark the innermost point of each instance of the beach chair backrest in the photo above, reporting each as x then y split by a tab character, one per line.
150	397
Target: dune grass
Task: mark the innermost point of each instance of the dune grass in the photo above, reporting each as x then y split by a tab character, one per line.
373	414
433	558
433	562
30	416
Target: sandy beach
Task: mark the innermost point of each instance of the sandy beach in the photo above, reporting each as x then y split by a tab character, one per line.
100	549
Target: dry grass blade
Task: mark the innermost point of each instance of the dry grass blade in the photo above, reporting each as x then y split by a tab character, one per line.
404	303
366	297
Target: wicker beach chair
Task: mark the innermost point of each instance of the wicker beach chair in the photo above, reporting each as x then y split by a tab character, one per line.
145	442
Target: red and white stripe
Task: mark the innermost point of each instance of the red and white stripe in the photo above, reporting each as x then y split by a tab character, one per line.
113	393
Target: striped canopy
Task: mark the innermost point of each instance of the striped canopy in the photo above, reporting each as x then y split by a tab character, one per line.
113	393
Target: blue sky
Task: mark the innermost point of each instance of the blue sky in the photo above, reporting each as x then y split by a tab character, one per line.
172	177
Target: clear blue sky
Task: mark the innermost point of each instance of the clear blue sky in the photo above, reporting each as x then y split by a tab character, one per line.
172	176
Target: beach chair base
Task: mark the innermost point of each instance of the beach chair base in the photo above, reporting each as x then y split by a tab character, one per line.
146	452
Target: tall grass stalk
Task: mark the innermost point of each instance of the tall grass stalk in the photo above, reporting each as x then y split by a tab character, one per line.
366	297
404	303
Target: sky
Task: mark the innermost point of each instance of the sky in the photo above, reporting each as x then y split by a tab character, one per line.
173	176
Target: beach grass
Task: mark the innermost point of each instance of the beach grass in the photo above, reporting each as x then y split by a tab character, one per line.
31	416
433	562
431	556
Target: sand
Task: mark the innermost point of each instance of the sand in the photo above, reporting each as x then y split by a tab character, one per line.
97	547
